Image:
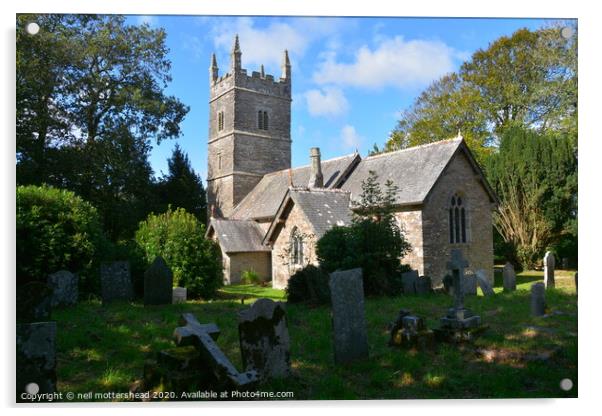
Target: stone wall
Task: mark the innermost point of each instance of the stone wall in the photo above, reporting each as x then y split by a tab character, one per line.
410	219
281	269
259	262
478	250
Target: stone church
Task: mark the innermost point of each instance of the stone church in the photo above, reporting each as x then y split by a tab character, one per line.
267	216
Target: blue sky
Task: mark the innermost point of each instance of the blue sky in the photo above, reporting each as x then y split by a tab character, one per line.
351	76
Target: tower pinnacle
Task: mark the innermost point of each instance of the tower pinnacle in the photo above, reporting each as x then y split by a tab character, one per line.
236	54
286	66
213	69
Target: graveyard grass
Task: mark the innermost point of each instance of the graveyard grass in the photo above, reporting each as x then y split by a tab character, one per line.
103	349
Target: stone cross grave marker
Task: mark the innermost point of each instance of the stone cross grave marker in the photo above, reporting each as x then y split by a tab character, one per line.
509	277
203	337
115	281
158	283
350	336
457	266
264	339
36	357
483	282
65	288
409	281
538	299
548	269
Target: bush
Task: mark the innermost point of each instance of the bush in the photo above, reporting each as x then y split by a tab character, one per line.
309	285
178	237
57	229
250	277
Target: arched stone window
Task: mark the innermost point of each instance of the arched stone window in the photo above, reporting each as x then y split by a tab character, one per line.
458	220
296	247
265	120
262	120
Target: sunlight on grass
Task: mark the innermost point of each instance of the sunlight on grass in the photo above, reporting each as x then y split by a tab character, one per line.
432	380
405	380
253	291
113	378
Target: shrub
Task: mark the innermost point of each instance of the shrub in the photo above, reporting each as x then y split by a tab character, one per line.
57	229
309	285
178	237
250	277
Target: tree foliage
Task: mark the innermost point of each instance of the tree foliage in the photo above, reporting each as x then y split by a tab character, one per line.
57	230
535	177
178	237
90	100
182	187
374	241
527	79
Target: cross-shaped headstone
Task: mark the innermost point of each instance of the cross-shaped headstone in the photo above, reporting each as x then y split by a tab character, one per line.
457	266
203	337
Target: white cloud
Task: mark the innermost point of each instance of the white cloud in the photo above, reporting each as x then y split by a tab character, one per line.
330	101
395	62
150	20
350	138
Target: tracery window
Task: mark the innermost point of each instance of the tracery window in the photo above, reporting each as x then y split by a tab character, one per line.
457	220
296	247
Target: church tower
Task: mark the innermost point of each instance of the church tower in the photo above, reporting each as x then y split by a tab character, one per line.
249	130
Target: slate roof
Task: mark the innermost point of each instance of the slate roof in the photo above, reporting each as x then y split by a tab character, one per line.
237	236
414	170
323	208
263	201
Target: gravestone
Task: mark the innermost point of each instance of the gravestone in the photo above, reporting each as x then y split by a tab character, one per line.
460	324
509	277
548	269
348	316
264	339
423	285
409	331
36	357
538	299
448	284
470	285
484	284
158	283
203	338
179	295
408	281
34	302
115	281
65	288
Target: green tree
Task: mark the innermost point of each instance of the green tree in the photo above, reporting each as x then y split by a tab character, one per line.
90	100
178	237
527	79
57	230
535	177
182	187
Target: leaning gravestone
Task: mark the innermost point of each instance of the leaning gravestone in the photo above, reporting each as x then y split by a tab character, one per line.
264	339
470	284
36	358
484	284
408	281
423	285
538	299
179	295
115	281
509	277
34	302
65	289
158	283
348	316
548	269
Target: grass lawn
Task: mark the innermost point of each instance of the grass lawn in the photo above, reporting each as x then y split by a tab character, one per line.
103	349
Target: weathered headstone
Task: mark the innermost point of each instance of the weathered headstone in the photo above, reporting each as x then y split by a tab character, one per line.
538	299
509	277
264	339
548	269
460	324
36	357
65	288
179	295
410	331
158	283
34	302
423	285
348	316
483	282
408	281
115	281
470	285
203	338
